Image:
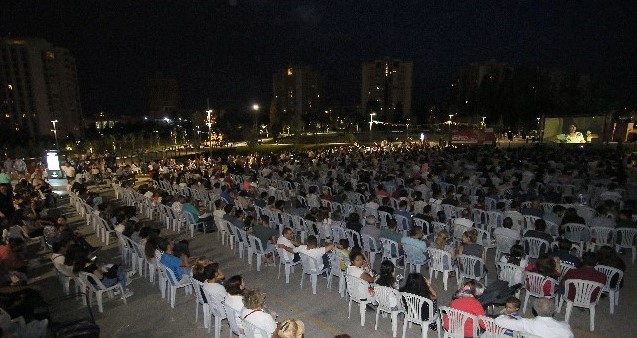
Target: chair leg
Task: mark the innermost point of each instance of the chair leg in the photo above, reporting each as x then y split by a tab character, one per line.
592	318
526	300
394	323
100	305
377	313
362	309
314	279
569	308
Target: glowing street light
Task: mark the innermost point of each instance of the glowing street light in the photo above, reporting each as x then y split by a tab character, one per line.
255	107
55	133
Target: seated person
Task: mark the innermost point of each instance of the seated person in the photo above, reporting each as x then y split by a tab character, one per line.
318	253
253	312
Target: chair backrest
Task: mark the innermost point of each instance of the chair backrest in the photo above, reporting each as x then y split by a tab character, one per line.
353	237
91	281
421	223
603	235
491	330
215	304
584	290
610	273
198	287
564	268
536	246
256	244
310	264
457	320
369	243
390	248
438	259
411	253
252	331
509	273
231	315
626	237
357	288
471	266
403	223
413	307
575	232
534	284
386	297
439	226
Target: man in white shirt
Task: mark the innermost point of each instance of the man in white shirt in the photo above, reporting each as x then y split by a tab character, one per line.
287	244
543	325
318	253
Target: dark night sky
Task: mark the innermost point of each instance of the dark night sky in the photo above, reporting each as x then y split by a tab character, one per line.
227	50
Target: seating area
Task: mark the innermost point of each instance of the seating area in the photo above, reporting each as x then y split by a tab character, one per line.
239	252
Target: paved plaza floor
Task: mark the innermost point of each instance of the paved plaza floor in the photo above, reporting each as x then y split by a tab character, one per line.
325	314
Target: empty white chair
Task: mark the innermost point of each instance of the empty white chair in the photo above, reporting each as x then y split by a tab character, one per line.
587	294
312	267
470	267
388	302
93	285
413	312
613	280
534	286
440	261
258	249
357	290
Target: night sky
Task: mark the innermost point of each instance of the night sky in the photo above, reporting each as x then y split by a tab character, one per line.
227	50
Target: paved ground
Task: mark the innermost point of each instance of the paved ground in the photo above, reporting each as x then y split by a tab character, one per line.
325	314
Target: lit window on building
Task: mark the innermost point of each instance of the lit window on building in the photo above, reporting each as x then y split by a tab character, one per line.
50	55
290	71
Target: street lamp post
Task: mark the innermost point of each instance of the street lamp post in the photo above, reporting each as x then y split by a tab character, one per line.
55	133
371	122
450	116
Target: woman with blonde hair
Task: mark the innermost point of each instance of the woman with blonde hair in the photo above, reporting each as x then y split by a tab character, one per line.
441	242
290	328
253	312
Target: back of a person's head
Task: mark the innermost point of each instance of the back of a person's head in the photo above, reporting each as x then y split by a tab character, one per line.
589	258
507	222
540	225
544	307
312	241
290	328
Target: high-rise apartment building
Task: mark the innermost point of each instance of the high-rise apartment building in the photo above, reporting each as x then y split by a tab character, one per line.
38	84
386	89
298	91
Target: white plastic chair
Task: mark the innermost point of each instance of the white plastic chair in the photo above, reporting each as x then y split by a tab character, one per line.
584	290
371	247
217	312
456	320
389	302
492	330
258	249
252	331
576	233
413	312
191	223
287	264
231	316
466	268
437	261
390	251
535	246
564	268
199	301
603	236
173	284
534	286
93	285
627	237
411	263
335	271
509	273
357	290
613	292
311	267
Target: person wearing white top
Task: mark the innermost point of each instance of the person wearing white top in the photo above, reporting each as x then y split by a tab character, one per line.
544	325
318	253
287	243
212	286
254	313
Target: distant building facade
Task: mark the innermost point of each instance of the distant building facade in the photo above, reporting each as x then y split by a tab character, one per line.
387	88
163	96
298	92
38	84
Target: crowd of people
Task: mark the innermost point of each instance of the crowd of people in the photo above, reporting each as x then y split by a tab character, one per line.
403	181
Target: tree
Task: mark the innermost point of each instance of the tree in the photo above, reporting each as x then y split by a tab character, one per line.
276	119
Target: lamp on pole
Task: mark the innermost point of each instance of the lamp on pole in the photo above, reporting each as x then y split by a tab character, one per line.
55	133
450	116
255	107
484	124
371	122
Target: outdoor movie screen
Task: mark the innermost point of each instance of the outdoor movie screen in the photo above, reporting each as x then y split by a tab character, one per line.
579	129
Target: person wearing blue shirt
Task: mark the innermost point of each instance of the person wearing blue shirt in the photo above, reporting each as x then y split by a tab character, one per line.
415	245
170	260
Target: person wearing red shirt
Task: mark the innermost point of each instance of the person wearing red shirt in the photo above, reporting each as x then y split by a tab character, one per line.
465	300
586	272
